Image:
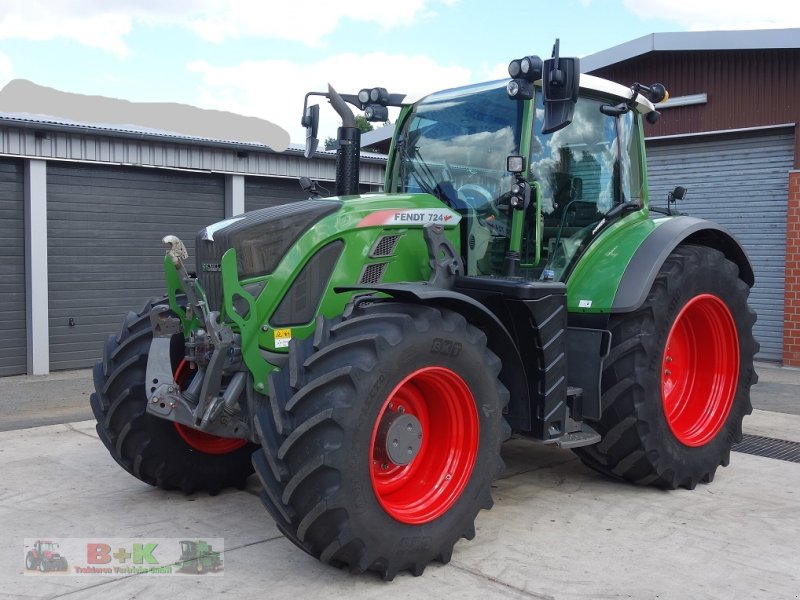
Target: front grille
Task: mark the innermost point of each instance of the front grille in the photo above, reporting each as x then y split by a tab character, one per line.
372	274
209	256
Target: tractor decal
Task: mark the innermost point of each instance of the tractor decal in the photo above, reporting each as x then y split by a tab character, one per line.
411	217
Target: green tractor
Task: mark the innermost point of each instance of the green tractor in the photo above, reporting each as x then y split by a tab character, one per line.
367	355
197	556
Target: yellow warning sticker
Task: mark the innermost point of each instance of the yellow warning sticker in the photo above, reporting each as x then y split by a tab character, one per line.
282	338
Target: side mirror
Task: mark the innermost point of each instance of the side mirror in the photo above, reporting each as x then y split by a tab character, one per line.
310	121
560	82
679	193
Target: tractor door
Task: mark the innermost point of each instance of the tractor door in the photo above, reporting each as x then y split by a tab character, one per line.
582	171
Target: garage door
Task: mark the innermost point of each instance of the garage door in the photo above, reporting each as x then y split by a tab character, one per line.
105	227
741	183
12	269
261	192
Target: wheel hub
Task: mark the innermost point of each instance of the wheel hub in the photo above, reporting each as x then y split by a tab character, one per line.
400	436
432	417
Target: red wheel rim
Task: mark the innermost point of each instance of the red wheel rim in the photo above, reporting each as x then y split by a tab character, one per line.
426	488
200	440
700	370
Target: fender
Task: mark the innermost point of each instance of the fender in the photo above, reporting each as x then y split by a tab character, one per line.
499	339
644	265
617	270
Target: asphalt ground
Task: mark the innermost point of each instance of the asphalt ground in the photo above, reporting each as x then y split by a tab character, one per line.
557	530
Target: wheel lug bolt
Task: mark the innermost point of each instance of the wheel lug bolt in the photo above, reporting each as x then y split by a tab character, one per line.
384	466
401	410
669	359
448	477
667	372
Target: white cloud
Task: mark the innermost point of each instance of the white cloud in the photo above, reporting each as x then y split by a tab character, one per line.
274	89
720	14
6	69
495	71
309	21
39	20
105	25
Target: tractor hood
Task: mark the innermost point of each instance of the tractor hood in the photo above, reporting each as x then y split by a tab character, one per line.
262	237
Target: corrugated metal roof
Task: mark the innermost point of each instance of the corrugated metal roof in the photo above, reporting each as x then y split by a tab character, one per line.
47	122
754	39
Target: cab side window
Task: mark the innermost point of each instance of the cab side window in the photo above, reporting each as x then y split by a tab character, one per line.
581	177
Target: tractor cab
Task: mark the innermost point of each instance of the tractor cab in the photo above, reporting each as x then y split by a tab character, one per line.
530	201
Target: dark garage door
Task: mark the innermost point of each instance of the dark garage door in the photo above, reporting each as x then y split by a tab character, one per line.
261	192
12	269
741	183
105	226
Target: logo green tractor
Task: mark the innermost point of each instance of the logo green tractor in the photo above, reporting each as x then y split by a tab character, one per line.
198	557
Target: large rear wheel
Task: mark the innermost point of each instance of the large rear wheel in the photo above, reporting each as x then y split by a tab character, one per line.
383	438
152	449
676	384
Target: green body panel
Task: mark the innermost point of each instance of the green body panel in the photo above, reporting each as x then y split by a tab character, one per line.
409	262
596	276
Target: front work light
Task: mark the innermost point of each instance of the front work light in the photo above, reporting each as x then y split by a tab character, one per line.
515	164
376	113
528	68
519	89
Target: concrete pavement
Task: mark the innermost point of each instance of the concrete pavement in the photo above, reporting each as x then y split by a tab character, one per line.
558	530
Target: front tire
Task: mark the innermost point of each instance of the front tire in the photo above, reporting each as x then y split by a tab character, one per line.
676	384
151	449
334	479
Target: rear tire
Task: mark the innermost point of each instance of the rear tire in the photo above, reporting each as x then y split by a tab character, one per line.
326	481
149	448
676	384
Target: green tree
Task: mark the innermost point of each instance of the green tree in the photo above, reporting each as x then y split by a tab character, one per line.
363	124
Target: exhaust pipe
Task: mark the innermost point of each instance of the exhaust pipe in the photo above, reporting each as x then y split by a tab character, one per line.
348	151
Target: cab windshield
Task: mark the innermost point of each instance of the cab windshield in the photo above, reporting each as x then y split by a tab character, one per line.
454	145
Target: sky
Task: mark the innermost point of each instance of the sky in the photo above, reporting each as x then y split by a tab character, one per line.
259	57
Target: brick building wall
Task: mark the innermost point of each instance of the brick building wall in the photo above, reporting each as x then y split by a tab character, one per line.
791	327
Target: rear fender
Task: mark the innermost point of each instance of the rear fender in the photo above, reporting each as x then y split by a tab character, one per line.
645	264
616	272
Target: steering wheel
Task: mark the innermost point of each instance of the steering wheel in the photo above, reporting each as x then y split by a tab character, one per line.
476	197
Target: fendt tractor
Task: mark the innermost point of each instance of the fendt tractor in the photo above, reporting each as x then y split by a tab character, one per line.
367	355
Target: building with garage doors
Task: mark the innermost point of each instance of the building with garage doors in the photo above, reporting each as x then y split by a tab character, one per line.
729	134
82	213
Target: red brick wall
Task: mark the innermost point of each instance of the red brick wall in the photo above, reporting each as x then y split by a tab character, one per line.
791	319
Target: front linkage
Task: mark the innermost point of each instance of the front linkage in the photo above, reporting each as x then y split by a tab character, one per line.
213	352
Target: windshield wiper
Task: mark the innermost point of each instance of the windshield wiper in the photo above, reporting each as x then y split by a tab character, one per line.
421	172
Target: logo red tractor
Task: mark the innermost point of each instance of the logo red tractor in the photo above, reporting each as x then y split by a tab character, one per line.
45	556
